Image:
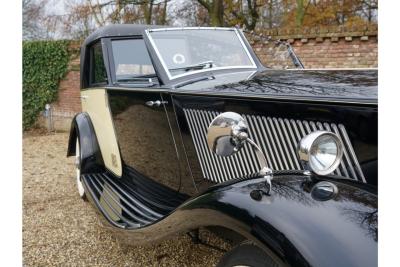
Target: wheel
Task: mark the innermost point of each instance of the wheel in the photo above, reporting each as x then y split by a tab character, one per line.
246	255
81	189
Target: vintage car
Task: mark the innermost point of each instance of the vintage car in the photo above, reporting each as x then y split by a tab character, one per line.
184	128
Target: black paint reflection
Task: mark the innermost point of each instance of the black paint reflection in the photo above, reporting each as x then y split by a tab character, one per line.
144	136
337	232
337	84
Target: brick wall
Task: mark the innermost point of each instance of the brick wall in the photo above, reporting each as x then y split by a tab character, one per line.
69	102
326	47
323	47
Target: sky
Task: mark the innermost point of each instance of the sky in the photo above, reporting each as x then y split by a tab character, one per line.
59	8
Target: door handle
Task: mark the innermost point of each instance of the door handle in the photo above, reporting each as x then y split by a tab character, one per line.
156	103
84	97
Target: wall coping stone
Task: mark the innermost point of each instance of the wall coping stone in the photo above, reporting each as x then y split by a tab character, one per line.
320	32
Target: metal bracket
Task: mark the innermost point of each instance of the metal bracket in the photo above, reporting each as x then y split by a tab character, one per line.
265	172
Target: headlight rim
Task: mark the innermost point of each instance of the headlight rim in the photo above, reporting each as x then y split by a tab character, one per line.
304	151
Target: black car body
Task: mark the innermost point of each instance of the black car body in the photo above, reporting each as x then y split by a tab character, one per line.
145	165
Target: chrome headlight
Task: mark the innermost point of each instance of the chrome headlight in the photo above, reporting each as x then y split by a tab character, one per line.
321	152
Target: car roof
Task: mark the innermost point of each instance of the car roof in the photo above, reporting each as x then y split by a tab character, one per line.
115	30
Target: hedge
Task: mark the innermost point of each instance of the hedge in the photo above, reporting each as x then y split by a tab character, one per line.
44	64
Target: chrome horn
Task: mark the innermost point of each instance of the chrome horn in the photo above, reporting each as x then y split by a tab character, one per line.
227	134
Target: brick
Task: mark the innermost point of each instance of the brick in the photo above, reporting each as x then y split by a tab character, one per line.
334	39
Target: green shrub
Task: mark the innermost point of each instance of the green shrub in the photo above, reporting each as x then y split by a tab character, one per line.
44	64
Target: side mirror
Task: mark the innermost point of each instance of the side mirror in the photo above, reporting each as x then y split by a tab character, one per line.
227	133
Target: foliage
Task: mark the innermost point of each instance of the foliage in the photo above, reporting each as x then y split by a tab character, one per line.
289	13
311	13
44	64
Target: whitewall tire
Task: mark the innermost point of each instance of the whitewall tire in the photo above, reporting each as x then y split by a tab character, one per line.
81	189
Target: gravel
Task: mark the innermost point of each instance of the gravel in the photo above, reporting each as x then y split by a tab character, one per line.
59	229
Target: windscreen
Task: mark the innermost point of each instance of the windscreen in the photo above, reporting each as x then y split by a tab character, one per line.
185	51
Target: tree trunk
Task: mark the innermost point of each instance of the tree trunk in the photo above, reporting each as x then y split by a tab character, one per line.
300	13
216	13
254	14
270	3
164	14
148	11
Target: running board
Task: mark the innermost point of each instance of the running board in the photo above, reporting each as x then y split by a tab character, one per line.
132	201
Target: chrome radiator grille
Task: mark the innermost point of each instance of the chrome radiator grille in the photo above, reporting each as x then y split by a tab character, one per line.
277	137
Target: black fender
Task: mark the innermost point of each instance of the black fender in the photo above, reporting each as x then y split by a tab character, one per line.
299	229
91	158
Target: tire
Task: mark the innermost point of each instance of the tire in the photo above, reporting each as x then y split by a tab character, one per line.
81	189
246	254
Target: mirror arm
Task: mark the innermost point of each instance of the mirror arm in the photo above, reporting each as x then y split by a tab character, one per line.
265	172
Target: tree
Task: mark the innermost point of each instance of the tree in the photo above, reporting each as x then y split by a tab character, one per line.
245	14
368	9
86	15
300	11
78	23
32	14
312	13
215	10
271	13
189	13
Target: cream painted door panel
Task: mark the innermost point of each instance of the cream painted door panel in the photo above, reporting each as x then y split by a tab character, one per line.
95	103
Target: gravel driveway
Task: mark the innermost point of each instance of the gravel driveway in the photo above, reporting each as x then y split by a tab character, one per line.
60	229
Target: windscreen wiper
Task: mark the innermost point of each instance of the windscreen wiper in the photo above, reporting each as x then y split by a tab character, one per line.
198	66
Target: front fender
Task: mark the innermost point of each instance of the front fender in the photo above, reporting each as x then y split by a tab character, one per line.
301	230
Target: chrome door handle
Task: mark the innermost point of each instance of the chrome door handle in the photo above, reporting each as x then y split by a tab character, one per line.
156	103
84	96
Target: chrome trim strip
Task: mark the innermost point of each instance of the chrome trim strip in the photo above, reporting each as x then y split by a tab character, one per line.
211	156
203	163
351	151
298	136
278	139
295	164
245	47
345	154
279	164
258	137
285	145
189	28
267	145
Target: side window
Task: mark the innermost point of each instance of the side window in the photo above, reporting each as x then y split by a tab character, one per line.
131	59
98	72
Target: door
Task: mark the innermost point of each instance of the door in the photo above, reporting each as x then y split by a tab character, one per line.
144	134
139	113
